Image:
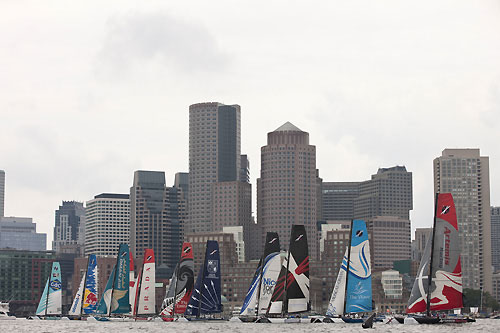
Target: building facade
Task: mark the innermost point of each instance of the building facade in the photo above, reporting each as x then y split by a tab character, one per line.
287	187
69	222
338	200
422	236
20	233
495	238
465	174
156	218
2	193
214	156
107	224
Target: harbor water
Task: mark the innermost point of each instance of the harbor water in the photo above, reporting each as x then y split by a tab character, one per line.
18	326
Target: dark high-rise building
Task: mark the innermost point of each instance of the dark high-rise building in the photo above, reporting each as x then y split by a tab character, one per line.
244	169
69	230
338	200
495	238
214	156
287	187
156	216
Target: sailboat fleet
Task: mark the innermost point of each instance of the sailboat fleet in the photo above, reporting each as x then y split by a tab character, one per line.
279	291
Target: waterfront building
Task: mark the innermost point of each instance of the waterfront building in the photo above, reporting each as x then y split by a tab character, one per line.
156	219
287	187
465	174
214	156
20	233
107	223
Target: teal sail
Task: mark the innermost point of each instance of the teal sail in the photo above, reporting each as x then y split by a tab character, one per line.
120	302
42	306
359	279
54	298
105	301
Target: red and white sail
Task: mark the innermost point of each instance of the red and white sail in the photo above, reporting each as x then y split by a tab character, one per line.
146	300
132	284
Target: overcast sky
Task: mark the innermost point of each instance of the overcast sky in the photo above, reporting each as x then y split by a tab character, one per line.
91	91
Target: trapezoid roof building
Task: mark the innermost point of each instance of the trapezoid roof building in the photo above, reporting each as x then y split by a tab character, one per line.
287	187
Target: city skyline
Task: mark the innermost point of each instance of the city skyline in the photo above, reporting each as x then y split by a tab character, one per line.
85	89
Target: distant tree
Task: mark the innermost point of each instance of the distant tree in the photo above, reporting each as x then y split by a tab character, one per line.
472	297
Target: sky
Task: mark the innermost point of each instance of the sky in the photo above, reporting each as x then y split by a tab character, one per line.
91	91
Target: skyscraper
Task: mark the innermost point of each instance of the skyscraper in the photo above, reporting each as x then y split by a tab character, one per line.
465	174
495	238
107	223
214	156
2	193
338	200
287	187
20	233
69	224
156	217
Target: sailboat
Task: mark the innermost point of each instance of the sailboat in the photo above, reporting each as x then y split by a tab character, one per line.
291	293
353	289
206	297
440	271
85	301
146	288
181	285
50	305
132	284
264	280
115	299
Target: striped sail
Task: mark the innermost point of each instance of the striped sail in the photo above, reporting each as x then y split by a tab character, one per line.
147	288
120	295
359	280
76	306
54	299
42	305
90	297
336	305
104	306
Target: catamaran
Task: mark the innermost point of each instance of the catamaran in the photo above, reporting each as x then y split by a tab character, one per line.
264	280
440	271
85	301
291	294
180	287
146	289
50	305
353	289
206	297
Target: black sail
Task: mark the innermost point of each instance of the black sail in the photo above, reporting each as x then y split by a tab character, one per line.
297	284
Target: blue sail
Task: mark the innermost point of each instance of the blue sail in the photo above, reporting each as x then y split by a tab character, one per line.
120	301
105	301
250	301
208	282
90	293
359	280
42	305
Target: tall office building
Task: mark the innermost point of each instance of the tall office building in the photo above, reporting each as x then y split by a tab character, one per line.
107	224
388	193
20	233
465	174
287	187
422	236
338	200
69	222
156	217
244	169
495	238
214	156
2	193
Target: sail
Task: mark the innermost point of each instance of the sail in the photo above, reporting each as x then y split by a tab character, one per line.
278	295
132	284
54	300
270	273
297	284
182	282
206	297
105	302
120	296
418	297
252	296
359	280
76	307
446	287
336	305
147	292
90	300
42	305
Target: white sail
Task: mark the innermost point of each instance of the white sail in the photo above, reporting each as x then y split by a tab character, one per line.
277	306
54	301
270	275
336	305
146	303
76	307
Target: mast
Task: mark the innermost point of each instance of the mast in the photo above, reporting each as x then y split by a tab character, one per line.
114	279
175	286
261	272
48	290
84	284
202	282
348	264
285	296
428	305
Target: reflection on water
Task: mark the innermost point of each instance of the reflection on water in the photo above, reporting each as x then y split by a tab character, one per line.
18	326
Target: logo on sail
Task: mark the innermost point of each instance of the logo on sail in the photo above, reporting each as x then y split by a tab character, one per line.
298	238
213	252
55	285
272	240
212	266
359	233
445	210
